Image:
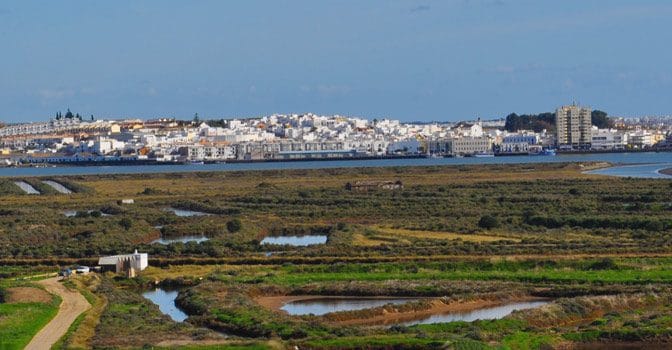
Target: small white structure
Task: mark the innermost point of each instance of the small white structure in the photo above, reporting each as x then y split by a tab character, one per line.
129	264
82	270
127	201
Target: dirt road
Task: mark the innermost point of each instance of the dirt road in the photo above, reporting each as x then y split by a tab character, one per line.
73	305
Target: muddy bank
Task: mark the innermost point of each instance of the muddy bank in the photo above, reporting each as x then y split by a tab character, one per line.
667	171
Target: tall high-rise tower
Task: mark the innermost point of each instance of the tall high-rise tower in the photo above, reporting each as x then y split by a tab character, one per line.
573	127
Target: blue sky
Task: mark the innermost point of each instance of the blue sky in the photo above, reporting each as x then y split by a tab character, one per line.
409	60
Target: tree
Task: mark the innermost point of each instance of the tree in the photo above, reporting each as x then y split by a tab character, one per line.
69	114
600	119
126	223
535	122
196	119
234	225
488	222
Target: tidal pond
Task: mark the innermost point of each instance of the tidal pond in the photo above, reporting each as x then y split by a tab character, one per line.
297	241
165	299
324	305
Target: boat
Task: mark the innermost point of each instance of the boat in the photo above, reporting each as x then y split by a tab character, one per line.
538	151
484	155
546	152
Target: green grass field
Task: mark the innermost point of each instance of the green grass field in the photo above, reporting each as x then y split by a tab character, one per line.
20	322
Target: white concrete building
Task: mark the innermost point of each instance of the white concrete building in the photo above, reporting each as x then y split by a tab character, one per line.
129	264
608	139
640	139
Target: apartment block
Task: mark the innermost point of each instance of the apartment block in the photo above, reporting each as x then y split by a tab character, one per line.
573	127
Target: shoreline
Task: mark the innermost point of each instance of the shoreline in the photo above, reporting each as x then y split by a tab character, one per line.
666	171
77	164
108	169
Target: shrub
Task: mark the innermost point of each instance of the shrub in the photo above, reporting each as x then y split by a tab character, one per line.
234	225
604	264
126	223
488	222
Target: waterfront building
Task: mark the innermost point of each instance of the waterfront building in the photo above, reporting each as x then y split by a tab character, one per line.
573	127
640	139
460	146
608	139
518	143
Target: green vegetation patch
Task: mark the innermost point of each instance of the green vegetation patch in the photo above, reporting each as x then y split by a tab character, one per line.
20	322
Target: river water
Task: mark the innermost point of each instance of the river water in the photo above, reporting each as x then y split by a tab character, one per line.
623	158
645	171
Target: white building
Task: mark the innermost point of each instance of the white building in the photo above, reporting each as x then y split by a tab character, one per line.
640	139
209	152
405	146
129	264
608	139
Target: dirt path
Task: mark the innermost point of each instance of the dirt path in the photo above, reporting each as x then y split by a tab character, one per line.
71	307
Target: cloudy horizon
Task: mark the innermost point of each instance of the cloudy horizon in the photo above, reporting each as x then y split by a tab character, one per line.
406	60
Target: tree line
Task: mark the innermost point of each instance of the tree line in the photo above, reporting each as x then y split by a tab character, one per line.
546	121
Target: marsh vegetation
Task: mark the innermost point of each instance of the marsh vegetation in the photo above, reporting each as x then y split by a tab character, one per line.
594	250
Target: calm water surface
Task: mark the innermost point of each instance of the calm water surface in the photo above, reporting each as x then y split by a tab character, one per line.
490	313
183	239
27	188
297	241
323	306
183	213
165	299
624	158
71	213
58	187
648	171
